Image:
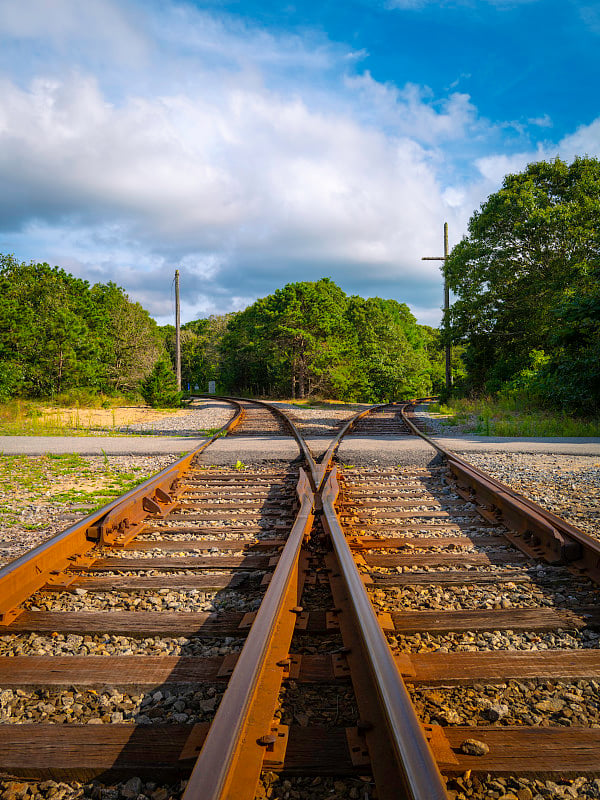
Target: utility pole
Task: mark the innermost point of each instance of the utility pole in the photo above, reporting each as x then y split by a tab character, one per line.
177	332
446	304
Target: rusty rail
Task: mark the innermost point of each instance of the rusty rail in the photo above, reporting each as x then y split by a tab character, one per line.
117	522
415	769
242	733
305	452
538	532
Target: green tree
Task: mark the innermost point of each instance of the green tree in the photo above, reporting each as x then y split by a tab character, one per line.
50	329
131	340
310	338
525	273
200	349
159	388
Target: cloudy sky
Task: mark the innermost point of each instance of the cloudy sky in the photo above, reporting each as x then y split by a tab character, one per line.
250	143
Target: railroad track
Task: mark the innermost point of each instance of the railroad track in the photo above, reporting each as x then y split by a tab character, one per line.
360	631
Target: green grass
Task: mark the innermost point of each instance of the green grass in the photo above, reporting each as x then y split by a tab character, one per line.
512	416
27	479
211	432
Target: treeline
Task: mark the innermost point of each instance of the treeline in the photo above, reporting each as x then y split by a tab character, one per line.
527	280
58	333
311	339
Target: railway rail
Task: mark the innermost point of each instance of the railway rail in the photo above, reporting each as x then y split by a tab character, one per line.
415	632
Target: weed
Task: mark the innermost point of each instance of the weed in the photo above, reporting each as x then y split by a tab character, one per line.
239	465
511	416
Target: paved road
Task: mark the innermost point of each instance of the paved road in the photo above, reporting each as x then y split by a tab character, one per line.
386	449
97	445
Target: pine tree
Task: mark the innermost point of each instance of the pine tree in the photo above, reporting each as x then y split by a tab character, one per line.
159	389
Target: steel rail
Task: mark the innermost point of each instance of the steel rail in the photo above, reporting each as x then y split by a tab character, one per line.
419	771
327	458
232	755
304	450
28	573
543	533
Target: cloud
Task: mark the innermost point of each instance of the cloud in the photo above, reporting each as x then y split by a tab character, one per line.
591	17
95	27
245	159
541	122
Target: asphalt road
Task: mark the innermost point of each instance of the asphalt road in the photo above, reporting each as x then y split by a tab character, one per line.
385	449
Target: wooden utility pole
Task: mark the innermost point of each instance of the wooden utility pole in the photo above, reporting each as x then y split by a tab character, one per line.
177	332
446	305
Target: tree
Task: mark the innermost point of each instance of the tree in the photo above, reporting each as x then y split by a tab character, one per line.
310	338
131	339
159	389
200	348
532	253
50	330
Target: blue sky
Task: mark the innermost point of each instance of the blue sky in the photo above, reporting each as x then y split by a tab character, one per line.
250	144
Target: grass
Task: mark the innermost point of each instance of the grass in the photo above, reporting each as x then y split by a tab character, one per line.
511	416
211	432
34	418
29	418
77	483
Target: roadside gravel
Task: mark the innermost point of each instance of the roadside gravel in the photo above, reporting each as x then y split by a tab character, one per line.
49	498
567	485
202	415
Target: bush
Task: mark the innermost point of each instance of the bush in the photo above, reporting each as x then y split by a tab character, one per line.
159	389
11	379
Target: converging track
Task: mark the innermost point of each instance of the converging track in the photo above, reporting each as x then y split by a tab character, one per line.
394	628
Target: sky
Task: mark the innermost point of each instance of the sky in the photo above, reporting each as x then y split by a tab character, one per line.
253	143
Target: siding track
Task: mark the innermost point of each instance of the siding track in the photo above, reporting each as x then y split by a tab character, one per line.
393	628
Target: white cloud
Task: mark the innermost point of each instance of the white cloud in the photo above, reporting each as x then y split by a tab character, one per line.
103	25
253	183
584	141
244	159
542	122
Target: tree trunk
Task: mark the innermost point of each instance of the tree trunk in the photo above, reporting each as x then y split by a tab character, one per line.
60	368
301	379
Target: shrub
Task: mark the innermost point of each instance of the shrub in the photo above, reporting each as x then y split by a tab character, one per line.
159	389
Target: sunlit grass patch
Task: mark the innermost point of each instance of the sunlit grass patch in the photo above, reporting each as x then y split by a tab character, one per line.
510	416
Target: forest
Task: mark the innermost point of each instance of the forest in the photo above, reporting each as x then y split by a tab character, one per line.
59	335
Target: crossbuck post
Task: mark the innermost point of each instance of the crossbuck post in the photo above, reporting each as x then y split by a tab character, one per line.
446	304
